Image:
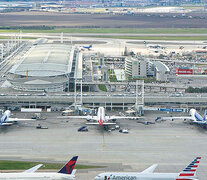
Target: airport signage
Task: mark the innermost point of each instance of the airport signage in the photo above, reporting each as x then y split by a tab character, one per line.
165	109
184	71
171	110
178	110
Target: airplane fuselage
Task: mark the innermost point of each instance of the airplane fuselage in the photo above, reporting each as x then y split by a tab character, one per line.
101	117
38	176
140	176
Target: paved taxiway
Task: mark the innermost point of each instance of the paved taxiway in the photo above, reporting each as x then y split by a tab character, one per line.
172	145
117	46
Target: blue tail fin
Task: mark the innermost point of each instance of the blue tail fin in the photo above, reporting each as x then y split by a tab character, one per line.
68	168
204	117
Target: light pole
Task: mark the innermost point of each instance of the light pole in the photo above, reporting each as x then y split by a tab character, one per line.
2	52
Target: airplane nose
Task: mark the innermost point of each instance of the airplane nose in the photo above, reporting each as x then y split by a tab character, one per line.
97	178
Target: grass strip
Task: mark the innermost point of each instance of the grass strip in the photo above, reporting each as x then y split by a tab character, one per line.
115	30
102	87
24	165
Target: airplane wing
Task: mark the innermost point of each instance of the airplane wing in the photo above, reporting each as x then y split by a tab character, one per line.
33	169
5	124
149	169
122	117
18	119
77	117
74	117
102	124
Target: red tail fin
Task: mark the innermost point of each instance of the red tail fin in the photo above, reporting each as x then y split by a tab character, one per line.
190	171
68	168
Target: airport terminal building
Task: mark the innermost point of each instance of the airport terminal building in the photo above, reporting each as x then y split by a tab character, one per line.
140	67
45	67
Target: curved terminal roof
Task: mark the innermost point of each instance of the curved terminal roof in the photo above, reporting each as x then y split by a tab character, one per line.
45	60
161	66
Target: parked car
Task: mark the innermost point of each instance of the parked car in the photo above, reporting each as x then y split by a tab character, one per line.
125	131
83	129
39	126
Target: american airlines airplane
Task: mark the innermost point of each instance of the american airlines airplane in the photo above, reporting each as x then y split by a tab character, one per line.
194	117
67	172
5	119
189	173
101	118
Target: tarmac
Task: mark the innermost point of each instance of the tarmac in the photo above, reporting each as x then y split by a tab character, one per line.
171	145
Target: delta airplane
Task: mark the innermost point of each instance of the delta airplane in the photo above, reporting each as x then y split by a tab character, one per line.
189	173
194	117
5	119
101	118
67	172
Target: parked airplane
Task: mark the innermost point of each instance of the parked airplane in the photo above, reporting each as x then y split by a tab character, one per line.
67	172
5	119
189	173
88	47
101	118
194	117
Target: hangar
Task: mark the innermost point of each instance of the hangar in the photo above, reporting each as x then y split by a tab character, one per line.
45	67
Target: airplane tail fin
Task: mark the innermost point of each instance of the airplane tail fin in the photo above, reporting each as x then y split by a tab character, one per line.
190	171
68	168
204	117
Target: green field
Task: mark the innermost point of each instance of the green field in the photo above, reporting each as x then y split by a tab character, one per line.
22	165
102	87
131	33
5	37
118	30
112	75
184	38
173	38
146	80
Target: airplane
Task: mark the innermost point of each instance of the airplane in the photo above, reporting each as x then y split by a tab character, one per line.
5	119
155	46
189	173
88	47
194	117
101	118
67	172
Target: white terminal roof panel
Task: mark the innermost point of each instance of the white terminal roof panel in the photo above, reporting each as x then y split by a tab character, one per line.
45	60
161	66
78	68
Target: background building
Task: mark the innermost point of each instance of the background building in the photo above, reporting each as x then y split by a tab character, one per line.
135	67
141	68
